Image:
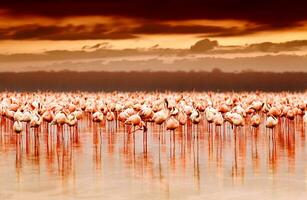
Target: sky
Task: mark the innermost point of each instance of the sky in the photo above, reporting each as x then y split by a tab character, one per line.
232	35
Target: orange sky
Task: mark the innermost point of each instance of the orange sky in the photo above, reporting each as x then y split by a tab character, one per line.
153	33
35	34
34	44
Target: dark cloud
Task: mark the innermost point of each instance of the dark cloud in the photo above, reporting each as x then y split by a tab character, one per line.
156	46
151	17
295	45
205	30
245	30
54	32
155	28
212	47
274	13
103	45
101	31
204	45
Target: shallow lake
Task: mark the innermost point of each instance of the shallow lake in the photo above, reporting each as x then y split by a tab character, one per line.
104	162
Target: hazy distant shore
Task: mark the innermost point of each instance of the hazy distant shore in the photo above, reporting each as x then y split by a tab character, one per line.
152	81
170	63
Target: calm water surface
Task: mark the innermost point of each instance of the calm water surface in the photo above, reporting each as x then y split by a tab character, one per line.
103	163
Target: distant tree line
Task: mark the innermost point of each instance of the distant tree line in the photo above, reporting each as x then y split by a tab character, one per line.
153	81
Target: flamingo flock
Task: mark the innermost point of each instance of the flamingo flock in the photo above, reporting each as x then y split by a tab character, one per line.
139	110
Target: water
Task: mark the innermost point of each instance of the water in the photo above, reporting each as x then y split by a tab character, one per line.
103	163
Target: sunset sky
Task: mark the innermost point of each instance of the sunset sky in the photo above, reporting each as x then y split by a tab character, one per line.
65	32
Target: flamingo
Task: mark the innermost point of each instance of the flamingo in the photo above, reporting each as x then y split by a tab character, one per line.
36	121
218	119
274	111
17	127
160	117
135	120
48	116
26	116
123	116
255	120
71	120
110	116
146	113
271	122
172	124
257	105
236	120
182	118
209	115
18	116
195	117
60	118
159	108
97	116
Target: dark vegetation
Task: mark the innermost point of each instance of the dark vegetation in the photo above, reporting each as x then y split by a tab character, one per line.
152	81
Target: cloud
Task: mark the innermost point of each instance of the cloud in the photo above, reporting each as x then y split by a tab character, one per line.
156	28
278	63
212	47
67	32
295	45
156	46
124	20
205	30
103	45
115	32
275	14
230	30
204	45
